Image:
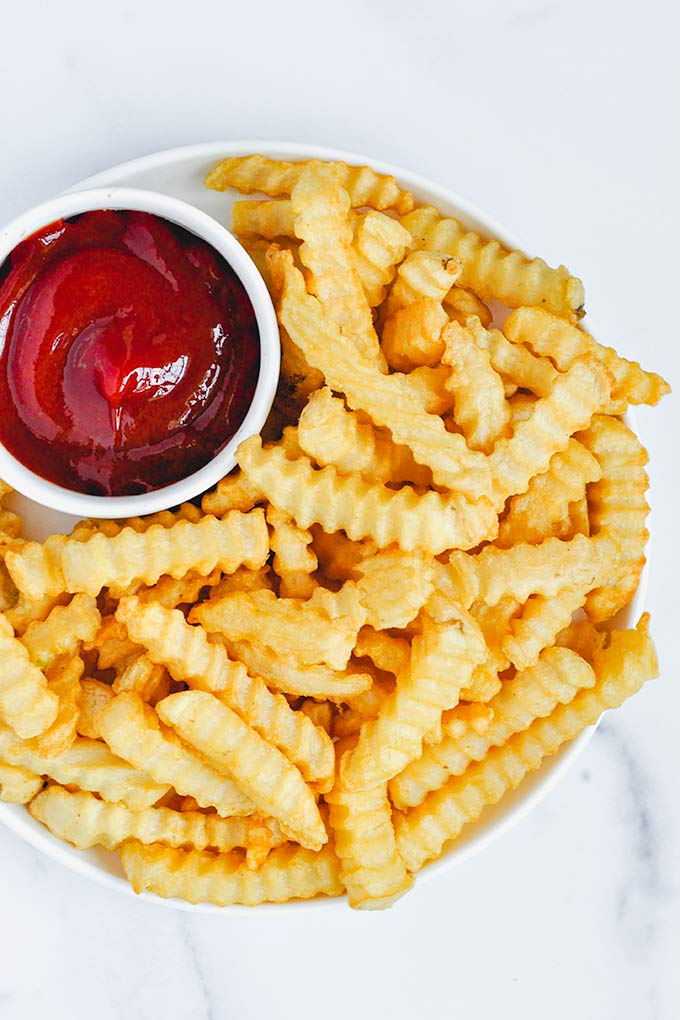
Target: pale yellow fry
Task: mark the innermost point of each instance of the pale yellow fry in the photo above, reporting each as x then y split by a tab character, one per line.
88	566
387	399
620	670
293	627
575	397
234	492
394	586
517	365
442	660
378	246
370	867
198	876
432	521
330	434
493	272
285	674
278	177
132	730
84	821
263	773
18	785
192	658
26	702
423	274
480	408
321	210
267	219
532	694
618	507
94	696
36	569
379	242
583	637
461	304
143	676
412	335
541	620
386	652
428	386
63	677
63	632
294	559
88	765
537	513
11	523
552	337
525	570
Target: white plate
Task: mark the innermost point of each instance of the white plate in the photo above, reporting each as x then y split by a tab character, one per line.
180	173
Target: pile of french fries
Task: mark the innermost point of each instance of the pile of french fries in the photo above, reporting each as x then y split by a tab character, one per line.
397	607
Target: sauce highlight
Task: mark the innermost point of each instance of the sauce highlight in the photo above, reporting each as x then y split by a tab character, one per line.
129	353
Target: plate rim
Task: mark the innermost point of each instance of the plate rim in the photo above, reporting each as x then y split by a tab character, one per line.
17	818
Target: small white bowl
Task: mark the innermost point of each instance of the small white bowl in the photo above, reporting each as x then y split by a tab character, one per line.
199	223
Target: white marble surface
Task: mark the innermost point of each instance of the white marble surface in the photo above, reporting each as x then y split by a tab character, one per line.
561	119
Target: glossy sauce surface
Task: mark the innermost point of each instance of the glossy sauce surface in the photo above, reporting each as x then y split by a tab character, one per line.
129	353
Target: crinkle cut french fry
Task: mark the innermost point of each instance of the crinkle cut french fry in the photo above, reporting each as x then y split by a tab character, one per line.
411	336
309	681
272	177
243	580
620	670
234	492
531	694
321	210
378	246
84	821
618	507
330	434
63	677
370	867
294	627
575	397
294	559
428	387
461	304
88	765
423	274
143	676
198	876
26	702
480	408
524	570
10	523
394	587
133	730
88	566
552	337
531	516
191	657
388	399
63	631
386	652
517	365
493	272
266	219
94	696
432	522
442	660
539	623
18	785
263	773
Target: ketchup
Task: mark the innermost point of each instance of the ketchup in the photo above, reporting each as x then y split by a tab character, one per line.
129	353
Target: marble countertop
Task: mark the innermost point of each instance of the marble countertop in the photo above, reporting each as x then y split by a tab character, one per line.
560	119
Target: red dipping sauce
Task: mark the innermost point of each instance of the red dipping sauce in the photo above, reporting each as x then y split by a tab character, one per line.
129	353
